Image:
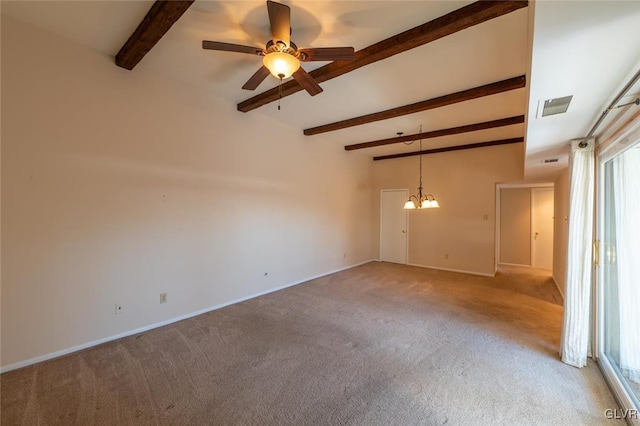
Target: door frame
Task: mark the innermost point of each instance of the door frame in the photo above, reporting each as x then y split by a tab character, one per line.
406	220
499	187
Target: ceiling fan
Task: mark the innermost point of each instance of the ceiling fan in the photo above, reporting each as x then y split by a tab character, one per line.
281	57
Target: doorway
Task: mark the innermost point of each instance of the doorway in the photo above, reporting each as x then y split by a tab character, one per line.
524	228
393	225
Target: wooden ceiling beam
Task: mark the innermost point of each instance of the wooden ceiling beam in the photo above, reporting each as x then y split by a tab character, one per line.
465	95
451	148
442	132
162	15
465	17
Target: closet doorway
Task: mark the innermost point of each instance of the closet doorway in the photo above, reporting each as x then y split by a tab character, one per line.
525	226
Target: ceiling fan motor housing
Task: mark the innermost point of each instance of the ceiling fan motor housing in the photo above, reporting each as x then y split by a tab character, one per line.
281	47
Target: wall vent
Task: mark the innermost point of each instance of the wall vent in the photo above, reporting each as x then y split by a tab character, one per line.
556	106
549	160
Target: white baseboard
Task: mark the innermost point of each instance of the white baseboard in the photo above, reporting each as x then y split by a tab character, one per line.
484	274
558	287
514	264
76	348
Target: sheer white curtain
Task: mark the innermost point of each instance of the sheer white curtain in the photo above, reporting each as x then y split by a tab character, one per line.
626	189
575	326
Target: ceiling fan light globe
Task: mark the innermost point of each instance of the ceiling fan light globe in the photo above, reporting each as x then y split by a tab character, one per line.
281	65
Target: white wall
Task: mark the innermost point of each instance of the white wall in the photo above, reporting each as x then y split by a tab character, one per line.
119	185
460	235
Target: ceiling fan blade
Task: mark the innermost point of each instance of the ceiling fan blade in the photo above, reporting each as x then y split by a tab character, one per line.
307	82
280	19
327	54
256	79
229	47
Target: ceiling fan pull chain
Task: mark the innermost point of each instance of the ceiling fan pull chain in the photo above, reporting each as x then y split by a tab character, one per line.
279	93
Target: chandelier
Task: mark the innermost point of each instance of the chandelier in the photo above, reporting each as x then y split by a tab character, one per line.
420	200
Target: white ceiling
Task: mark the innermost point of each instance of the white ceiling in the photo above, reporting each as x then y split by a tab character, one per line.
567	38
588	49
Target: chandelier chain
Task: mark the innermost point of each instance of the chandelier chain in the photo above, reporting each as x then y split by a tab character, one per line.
420	189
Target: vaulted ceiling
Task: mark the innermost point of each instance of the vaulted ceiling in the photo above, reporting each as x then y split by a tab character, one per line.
515	44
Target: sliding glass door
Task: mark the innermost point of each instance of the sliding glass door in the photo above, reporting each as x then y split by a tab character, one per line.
618	289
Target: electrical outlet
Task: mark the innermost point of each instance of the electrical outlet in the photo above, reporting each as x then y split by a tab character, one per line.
119	309
344	256
163	297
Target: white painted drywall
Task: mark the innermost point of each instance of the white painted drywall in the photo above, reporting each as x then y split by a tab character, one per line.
460	235
119	185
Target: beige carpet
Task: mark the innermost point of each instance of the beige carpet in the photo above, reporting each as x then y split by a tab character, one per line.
380	344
